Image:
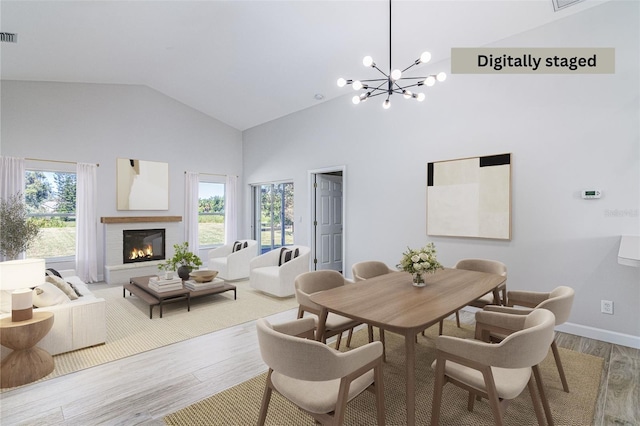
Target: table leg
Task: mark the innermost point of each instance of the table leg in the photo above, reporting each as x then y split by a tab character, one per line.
410	353
496	296
322	321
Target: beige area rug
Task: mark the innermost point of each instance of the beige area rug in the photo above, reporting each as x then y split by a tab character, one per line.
130	331
240	405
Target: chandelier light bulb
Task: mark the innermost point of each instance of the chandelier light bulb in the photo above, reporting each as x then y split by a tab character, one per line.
441	76
367	61
430	81
396	74
386	104
341	82
364	96
357	85
407	94
355	100
425	57
420	97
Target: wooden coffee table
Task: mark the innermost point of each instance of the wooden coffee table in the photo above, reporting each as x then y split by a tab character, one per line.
140	287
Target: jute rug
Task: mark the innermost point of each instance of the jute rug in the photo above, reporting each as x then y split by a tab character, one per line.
240	405
130	331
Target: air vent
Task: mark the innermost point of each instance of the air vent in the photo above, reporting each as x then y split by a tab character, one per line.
8	37
561	4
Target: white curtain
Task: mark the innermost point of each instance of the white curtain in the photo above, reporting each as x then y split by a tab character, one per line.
191	184
86	222
12	181
231	210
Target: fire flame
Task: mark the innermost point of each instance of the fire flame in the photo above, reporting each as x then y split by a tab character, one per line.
137	253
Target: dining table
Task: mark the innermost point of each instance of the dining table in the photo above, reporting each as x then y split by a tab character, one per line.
393	303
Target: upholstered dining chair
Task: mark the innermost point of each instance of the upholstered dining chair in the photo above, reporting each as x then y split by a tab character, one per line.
370	269
312	282
498	372
559	301
489	266
315	377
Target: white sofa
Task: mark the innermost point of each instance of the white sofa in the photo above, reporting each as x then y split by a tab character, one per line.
232	265
77	324
265	274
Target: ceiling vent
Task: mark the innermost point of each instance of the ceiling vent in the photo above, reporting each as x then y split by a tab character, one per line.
561	4
8	37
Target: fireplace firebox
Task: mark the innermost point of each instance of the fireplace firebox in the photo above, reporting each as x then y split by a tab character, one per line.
143	245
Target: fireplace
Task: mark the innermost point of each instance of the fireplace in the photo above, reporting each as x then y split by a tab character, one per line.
143	245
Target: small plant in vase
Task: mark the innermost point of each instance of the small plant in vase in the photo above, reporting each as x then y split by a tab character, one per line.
419	262
183	261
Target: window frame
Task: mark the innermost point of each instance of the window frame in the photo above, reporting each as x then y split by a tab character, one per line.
216	179
54	167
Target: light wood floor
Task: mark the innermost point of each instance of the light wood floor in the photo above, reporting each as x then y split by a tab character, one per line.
141	389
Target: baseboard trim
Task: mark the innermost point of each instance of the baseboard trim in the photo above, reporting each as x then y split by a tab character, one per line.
600	334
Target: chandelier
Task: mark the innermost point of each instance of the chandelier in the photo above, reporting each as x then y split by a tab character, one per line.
395	82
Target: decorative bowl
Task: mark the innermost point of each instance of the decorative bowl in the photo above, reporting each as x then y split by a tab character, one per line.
203	276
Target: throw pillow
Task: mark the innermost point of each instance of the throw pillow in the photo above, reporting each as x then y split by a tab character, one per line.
51	271
76	290
287	254
236	246
62	285
47	294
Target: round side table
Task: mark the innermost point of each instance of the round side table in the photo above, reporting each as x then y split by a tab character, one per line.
27	363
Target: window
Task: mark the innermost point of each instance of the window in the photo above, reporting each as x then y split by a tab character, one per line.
210	212
273	215
51	201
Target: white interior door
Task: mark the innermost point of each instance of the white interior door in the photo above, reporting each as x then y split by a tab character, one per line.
328	221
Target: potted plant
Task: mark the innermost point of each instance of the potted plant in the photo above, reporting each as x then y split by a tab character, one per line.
17	231
419	262
183	261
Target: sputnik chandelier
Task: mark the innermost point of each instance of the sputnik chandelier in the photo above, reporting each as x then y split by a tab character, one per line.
395	82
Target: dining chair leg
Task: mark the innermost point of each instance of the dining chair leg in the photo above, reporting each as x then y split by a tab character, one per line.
338	340
540	416
349	336
379	385
440	327
556	355
458	318
437	392
543	395
266	398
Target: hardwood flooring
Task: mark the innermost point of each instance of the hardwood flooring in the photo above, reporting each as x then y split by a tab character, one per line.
141	389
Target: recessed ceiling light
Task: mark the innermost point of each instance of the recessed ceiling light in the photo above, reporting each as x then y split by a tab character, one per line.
318	96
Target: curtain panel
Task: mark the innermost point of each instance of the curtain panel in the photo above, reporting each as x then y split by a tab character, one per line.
86	222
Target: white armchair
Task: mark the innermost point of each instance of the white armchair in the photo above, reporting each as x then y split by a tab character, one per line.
265	274
233	265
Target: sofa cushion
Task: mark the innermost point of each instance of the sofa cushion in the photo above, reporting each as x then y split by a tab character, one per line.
47	294
287	254
62	285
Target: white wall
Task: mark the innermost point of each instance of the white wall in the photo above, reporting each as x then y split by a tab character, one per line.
96	123
566	133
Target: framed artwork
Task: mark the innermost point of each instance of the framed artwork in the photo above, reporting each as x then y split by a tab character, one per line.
470	197
142	185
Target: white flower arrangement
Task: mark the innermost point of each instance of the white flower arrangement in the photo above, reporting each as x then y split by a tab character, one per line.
420	261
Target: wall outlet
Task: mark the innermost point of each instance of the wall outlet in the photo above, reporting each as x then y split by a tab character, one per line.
606	307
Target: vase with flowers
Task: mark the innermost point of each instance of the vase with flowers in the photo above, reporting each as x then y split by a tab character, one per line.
420	262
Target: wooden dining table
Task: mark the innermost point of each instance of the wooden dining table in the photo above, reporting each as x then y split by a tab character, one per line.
392	303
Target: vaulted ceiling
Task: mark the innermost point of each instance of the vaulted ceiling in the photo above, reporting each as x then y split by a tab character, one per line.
248	62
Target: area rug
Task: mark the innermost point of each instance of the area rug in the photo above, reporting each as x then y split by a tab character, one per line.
240	405
130	331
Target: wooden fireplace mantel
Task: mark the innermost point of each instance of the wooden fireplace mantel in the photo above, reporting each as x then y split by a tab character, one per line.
139	219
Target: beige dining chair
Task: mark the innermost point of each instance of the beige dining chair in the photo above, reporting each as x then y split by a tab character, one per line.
369	269
489	266
312	282
498	372
559	301
315	377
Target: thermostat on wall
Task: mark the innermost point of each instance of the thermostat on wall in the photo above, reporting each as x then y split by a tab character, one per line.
591	193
